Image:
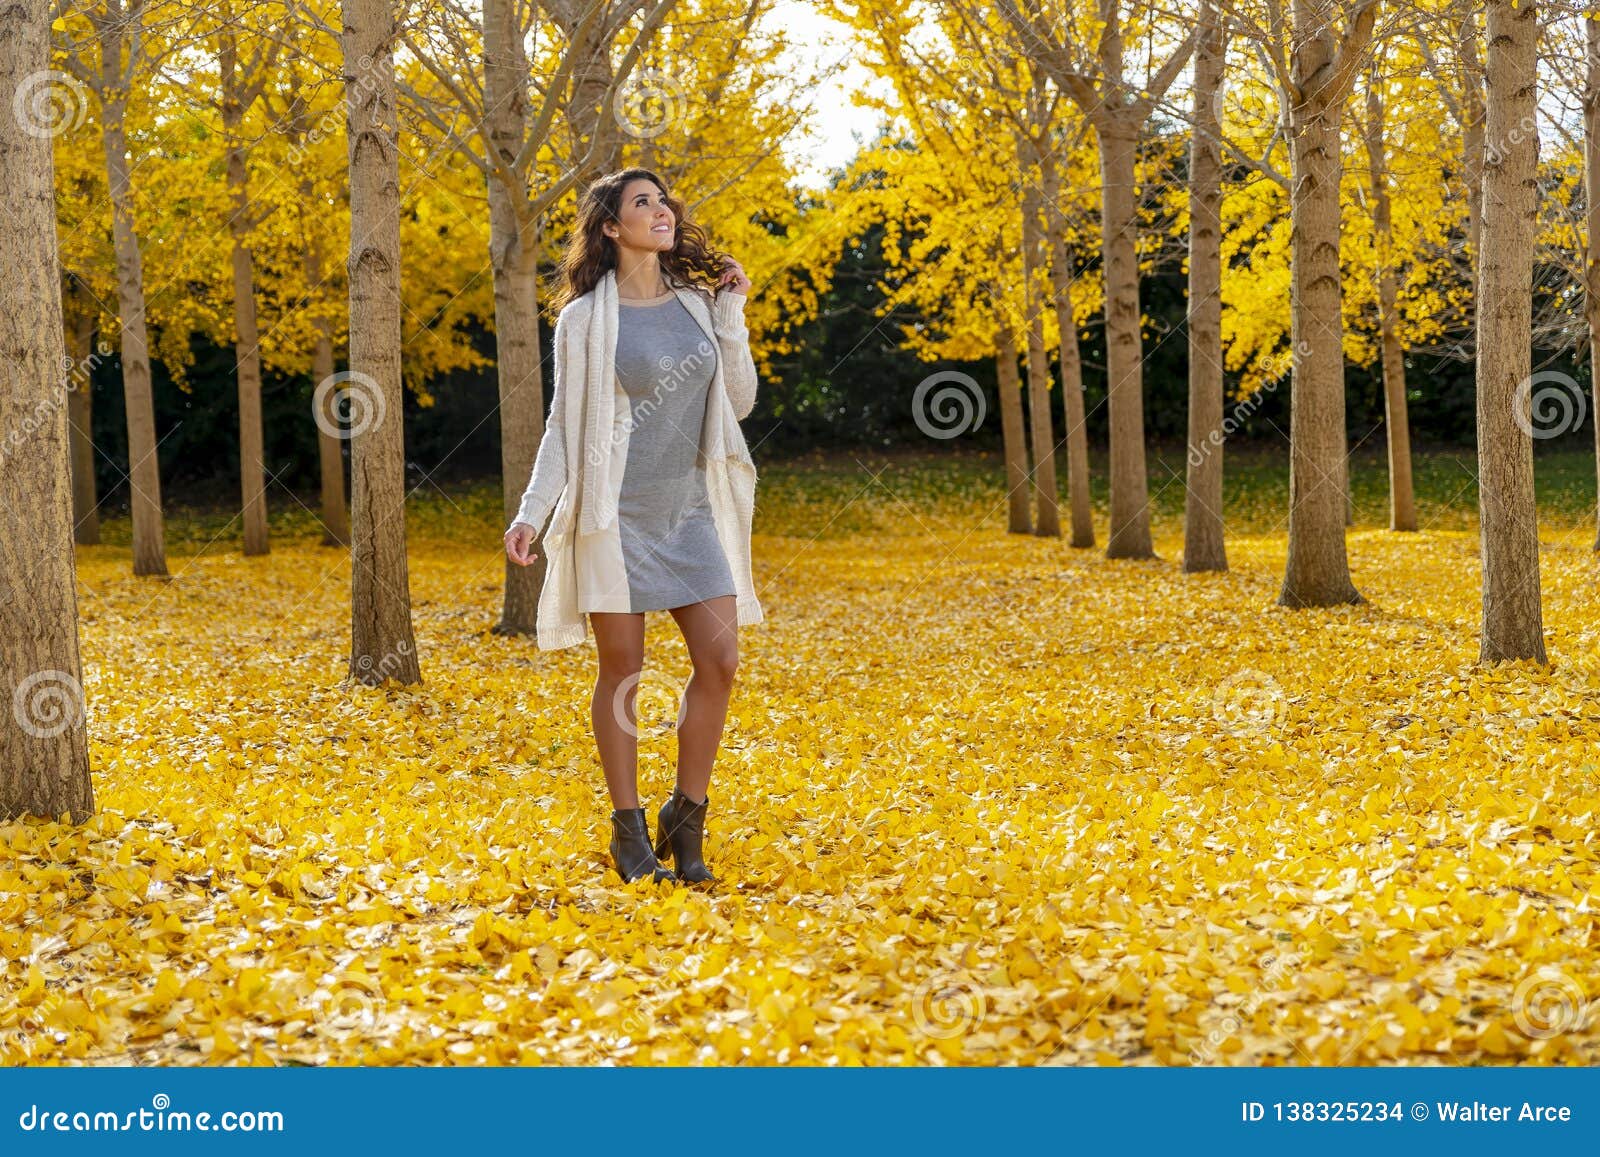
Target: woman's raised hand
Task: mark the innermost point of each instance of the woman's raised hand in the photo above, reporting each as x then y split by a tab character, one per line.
733	277
519	543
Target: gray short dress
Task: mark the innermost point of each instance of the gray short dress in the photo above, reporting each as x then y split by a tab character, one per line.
670	553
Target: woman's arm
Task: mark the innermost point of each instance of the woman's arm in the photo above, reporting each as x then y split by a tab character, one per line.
738	364
550	466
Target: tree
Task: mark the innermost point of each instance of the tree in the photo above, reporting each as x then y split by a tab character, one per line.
79	315
505	143
990	137
111	62
1118	113
1019	512
1063	283
1203	548
1591	243
1039	417
381	639
44	750
1508	515
243	77
1313	86
1397	426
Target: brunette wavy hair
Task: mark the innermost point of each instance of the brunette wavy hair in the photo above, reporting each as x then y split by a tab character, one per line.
691	263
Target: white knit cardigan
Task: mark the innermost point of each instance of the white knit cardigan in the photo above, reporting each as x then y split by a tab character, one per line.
582	412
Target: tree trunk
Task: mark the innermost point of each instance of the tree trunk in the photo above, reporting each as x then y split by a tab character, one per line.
80	416
1019	509
1061	284
381	640
1203	548
144	471
247	341
330	448
1130	496
1508	517
1402	503
1044	447
1591	254
44	751
1318	570
590	117
1472	128
513	252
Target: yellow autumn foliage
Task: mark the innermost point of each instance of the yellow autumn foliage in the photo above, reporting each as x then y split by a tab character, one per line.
982	799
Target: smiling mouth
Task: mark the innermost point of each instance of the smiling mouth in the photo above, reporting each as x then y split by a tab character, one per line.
661	228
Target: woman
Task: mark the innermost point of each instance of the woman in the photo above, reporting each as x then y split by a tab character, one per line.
652	373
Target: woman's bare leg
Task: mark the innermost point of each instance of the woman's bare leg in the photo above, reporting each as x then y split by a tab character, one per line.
711	629
619	639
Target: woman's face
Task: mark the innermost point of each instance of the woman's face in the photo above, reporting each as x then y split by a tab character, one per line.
643	219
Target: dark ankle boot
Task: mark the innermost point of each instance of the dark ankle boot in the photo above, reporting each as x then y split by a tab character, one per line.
630	847
680	828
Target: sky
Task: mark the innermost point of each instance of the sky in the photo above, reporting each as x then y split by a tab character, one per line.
831	118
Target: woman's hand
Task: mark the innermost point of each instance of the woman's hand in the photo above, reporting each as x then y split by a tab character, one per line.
519	540
733	278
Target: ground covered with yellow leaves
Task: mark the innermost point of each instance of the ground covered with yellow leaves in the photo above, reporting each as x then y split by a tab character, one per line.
982	799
